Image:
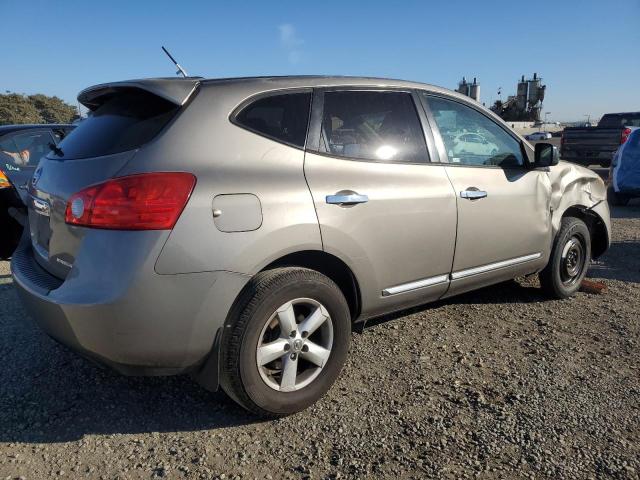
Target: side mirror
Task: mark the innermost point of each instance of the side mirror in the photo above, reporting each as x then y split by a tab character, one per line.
546	155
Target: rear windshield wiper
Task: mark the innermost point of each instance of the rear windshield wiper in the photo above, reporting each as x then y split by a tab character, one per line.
56	149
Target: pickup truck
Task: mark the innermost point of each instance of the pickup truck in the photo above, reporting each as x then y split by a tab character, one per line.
596	145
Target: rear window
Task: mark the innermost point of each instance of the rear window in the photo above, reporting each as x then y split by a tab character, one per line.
620	120
281	117
24	149
123	122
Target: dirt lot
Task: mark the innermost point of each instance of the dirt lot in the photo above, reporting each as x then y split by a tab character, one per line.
501	383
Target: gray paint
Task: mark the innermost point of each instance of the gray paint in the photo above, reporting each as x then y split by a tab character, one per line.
238	212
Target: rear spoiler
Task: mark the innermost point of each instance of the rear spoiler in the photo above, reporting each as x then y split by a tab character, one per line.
175	90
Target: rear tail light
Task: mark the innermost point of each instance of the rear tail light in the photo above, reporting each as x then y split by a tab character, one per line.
625	135
150	201
4	181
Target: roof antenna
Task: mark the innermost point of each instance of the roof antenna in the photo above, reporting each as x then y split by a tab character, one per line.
181	71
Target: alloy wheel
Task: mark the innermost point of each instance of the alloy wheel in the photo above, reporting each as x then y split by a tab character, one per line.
294	345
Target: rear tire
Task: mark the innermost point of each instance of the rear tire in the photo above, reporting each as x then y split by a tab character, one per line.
286	341
569	260
617	199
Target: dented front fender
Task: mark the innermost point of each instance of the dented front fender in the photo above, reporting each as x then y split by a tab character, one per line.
576	186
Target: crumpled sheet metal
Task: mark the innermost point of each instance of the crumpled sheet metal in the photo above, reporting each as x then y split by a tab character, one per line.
574	185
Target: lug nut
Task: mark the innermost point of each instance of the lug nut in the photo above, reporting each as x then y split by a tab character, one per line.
305	334
305	348
293	356
287	347
292	334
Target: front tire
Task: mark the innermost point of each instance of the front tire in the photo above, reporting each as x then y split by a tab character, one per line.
569	260
285	342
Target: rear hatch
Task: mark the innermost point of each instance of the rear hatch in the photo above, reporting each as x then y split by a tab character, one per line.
123	118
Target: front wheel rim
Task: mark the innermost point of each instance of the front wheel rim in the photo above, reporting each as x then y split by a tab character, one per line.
294	345
573	261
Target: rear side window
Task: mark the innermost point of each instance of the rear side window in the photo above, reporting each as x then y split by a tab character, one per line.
125	121
281	117
620	120
381	126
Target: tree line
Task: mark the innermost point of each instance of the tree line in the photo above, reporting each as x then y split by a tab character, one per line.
16	108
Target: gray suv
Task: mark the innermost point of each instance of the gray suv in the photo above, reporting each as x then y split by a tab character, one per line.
237	229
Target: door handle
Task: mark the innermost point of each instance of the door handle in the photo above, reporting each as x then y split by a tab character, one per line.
346	199
473	193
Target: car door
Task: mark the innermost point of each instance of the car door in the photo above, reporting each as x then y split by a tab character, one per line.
504	218
382	206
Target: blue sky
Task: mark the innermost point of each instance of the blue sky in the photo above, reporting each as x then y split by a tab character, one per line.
586	51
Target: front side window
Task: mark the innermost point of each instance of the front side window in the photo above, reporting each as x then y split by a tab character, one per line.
25	149
368	125
470	138
281	117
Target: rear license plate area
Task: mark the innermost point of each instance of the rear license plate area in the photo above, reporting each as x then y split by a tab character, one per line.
41	223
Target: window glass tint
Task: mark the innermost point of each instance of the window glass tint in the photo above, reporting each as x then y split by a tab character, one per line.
25	149
471	138
282	117
372	126
123	122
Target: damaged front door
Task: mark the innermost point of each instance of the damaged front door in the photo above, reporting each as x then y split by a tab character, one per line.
504	224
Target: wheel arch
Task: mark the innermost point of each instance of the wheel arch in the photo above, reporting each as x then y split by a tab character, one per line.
329	265
596	225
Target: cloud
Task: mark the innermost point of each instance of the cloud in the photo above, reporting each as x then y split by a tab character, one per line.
290	41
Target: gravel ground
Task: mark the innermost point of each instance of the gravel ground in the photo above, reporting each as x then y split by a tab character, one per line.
500	383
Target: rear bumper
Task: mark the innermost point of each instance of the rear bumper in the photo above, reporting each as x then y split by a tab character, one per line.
119	312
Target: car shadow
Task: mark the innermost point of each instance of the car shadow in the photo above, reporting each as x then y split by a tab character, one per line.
620	262
509	292
48	394
632	210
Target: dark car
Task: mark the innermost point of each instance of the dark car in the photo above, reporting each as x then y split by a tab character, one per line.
21	148
596	145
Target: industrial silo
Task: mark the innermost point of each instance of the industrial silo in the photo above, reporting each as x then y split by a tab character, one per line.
463	87
535	90
474	90
522	95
